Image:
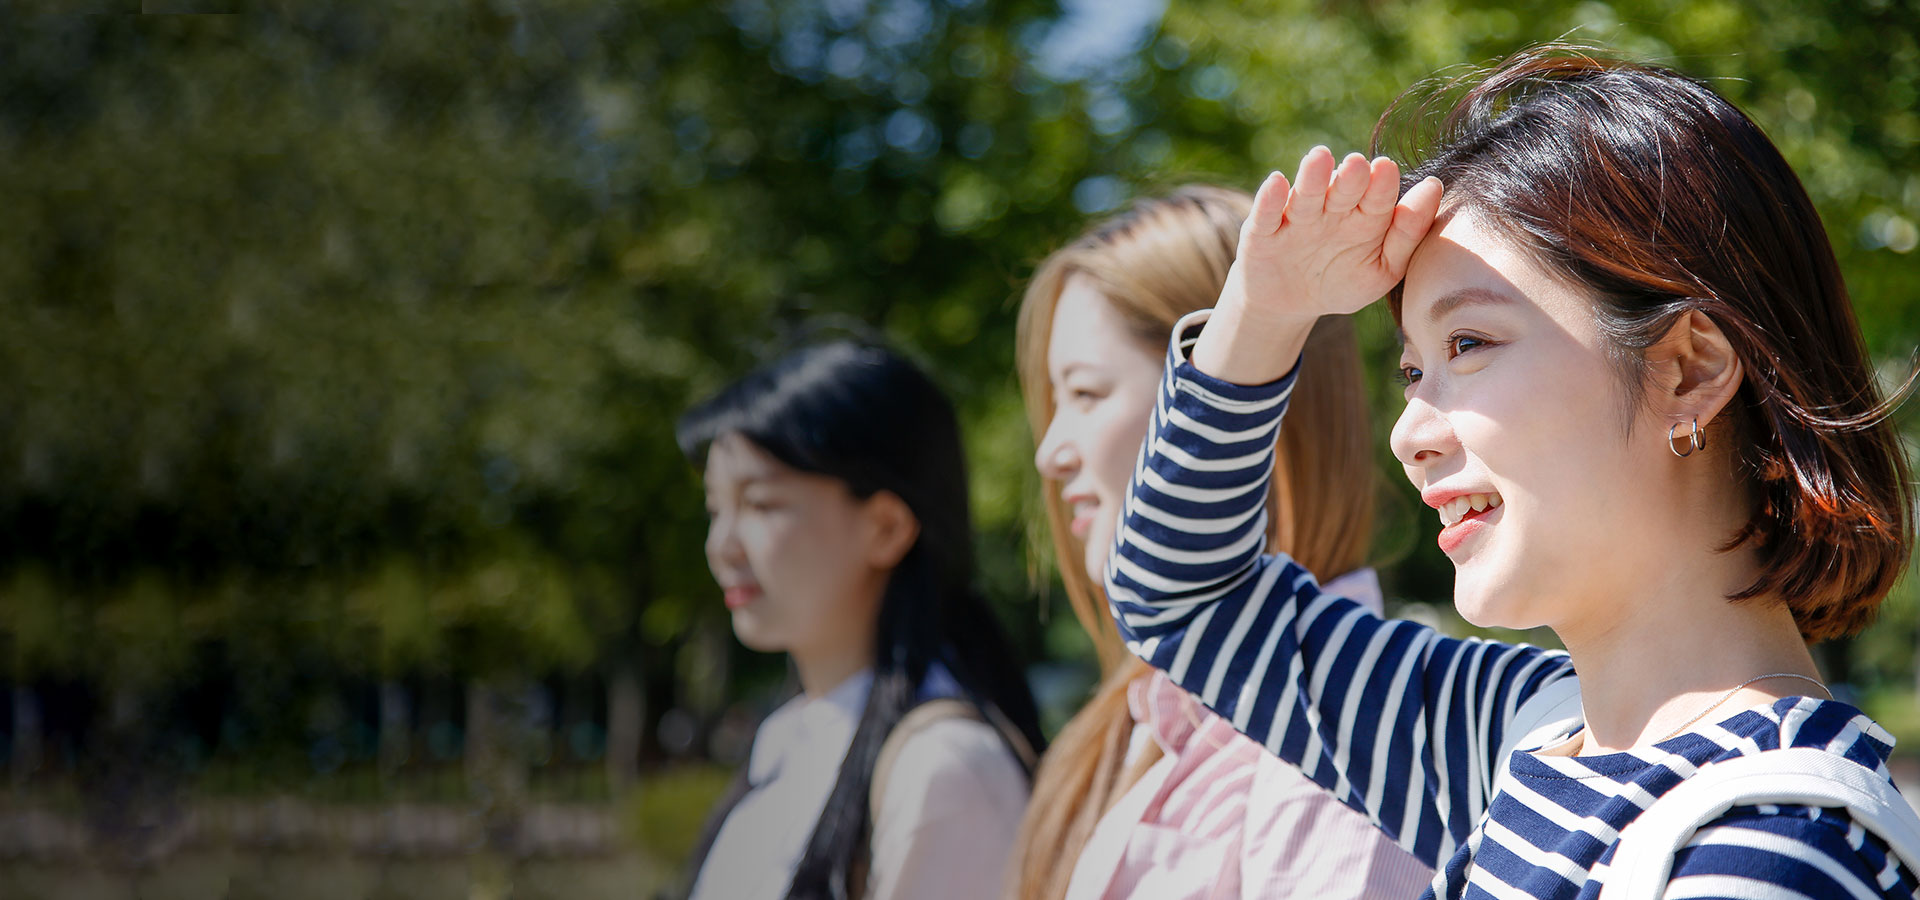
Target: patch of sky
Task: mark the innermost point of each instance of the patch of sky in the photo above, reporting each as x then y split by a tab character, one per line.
1212	83
844	14
1098	194
901	23
1109	111
753	18
846	57
1093	39
910	132
802	51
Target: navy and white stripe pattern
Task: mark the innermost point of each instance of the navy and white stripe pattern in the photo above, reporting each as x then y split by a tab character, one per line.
1402	723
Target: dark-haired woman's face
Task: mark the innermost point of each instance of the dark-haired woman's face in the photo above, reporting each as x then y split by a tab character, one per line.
1515	432
793	553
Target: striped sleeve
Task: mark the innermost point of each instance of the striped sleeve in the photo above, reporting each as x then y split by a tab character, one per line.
1787	853
1396	720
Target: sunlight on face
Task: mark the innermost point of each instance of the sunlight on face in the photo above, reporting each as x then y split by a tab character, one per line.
1104	379
1514	432
786	547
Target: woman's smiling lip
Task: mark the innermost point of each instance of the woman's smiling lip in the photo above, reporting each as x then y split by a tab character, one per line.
1084	506
740	595
1453	536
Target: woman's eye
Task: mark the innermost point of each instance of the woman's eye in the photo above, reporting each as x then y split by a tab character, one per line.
1083	397
1463	343
1409	376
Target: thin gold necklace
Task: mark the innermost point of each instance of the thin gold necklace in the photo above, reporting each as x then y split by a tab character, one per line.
1736	689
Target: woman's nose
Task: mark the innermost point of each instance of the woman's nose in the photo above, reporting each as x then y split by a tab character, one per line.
1422	435
723	544
1056	457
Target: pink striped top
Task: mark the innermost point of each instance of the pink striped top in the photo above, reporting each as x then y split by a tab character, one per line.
1218	816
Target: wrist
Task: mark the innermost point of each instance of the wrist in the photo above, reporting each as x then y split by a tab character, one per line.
1250	347
1271	312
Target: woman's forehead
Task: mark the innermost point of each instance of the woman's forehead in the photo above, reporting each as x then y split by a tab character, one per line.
1468	263
732	457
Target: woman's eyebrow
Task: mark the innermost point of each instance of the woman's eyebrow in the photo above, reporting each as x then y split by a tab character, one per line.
1468	296
1075	366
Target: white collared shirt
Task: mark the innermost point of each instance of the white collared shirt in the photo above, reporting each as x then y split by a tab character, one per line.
952	804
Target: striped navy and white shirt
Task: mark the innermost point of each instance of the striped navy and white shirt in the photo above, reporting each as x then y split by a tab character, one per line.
1403	723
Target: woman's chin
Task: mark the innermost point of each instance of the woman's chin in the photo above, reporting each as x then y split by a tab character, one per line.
754	634
1484	608
1477	603
1476	614
1097	545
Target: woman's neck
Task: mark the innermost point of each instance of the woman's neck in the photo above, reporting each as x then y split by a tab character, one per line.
821	672
1651	665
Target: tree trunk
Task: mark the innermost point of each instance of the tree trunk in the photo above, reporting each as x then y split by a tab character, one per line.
26	734
626	711
479	749
396	731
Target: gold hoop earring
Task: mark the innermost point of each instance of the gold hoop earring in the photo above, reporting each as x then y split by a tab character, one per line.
1696	441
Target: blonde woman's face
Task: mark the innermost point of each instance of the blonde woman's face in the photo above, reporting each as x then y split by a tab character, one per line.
1103	380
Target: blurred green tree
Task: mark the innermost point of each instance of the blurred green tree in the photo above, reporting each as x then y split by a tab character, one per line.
346	346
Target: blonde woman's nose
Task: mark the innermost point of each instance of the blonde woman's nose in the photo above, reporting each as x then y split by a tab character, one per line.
1055	457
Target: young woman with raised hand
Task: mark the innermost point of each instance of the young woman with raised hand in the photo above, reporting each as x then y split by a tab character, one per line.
1145	793
1637	398
840	534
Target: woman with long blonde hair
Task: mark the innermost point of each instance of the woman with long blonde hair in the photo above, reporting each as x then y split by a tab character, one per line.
1145	792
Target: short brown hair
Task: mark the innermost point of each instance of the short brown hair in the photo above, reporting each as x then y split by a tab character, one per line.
1662	198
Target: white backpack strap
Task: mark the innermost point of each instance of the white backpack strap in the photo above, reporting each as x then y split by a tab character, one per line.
1801	776
916	720
1551	712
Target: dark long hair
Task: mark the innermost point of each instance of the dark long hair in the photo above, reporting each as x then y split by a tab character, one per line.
868	417
1661	198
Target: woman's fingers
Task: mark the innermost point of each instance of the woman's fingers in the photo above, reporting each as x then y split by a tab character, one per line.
1309	195
1269	205
1411	219
1350	183
1382	187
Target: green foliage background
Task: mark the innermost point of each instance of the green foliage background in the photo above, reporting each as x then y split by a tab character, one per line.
346	345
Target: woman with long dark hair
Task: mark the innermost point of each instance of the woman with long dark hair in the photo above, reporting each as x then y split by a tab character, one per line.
1640	406
840	536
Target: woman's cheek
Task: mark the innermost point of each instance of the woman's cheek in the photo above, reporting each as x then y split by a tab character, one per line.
1120	446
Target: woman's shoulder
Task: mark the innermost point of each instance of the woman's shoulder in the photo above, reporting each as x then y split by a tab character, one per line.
1817	850
951	763
1797	722
1812	851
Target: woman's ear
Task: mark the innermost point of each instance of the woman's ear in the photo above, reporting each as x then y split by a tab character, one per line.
891	529
1694	372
